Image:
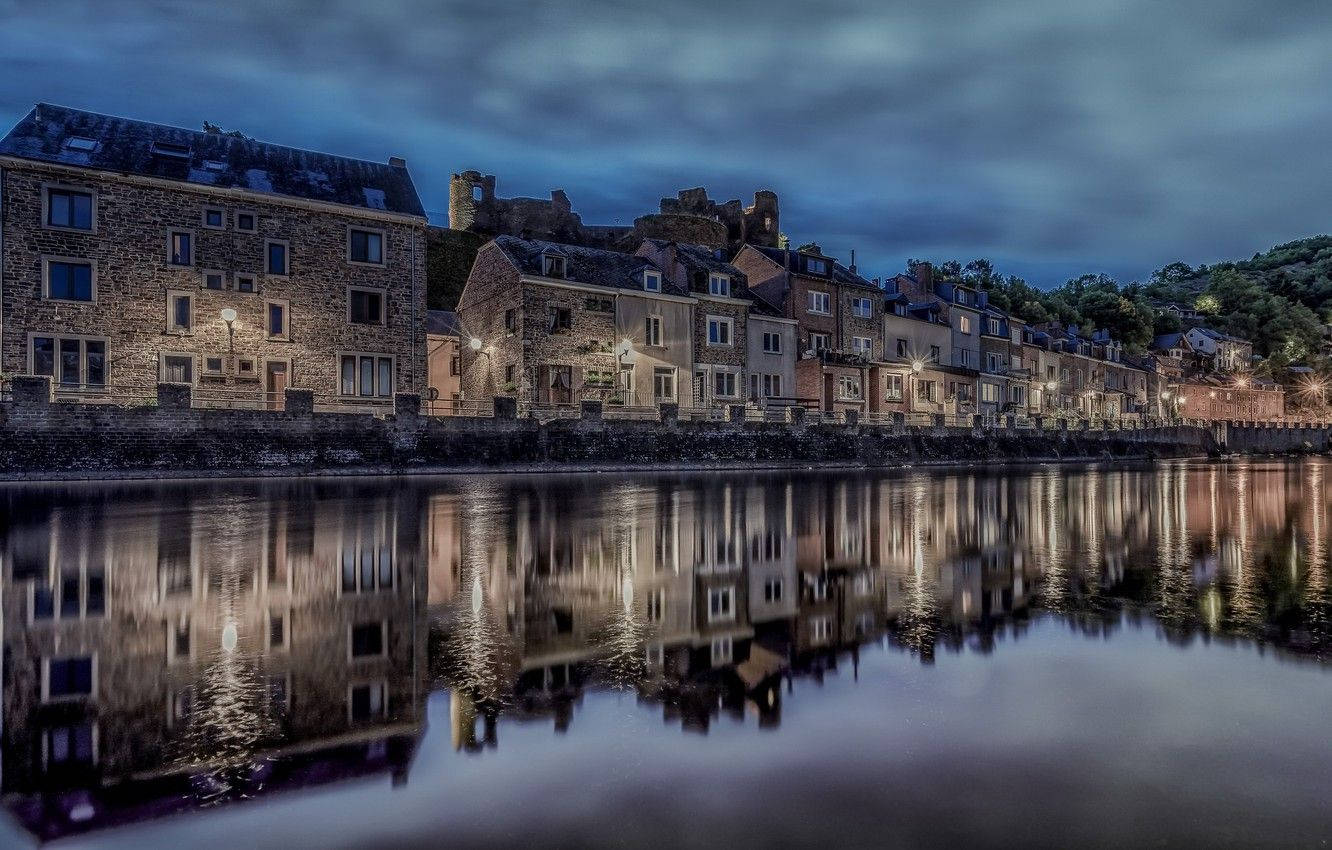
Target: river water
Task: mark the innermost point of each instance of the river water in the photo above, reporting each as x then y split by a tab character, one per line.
1041	656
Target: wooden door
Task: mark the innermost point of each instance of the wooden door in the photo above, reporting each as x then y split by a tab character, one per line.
275	384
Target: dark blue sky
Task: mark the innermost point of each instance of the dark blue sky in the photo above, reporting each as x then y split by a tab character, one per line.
1053	136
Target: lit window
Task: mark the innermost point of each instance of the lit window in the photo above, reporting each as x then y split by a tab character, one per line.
964	324
652	330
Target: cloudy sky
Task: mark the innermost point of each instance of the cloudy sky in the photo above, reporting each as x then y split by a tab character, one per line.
1053	136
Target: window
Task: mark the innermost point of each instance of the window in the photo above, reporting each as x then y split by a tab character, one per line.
964	357
70	280
1015	362
994	362
861	308
719	330
816	265
772	386
510	371
893	388
246	221
180	313
367	563
820	303
177	368
652	330
65	747
652	281
902	349
772	590
934	353
366	702
365	306
964	324
992	326
1018	394
818	342
170	150
245	283
366	375
455	366
80	143
277	630
721	651
663	384
772	343
989	392
69	208
848	387
926	391
213	366
511	320
819	629
552	265
723	384
213	280
964	392
277	320
367	640
214	218
245	367
180	248
69	361
76	594
275	257
719	284
721	604
365	246
65	678
862	346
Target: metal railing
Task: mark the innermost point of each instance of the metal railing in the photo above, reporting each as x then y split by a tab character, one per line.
458	407
226	398
637	411
547	412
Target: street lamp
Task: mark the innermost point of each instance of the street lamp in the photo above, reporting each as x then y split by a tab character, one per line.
474	344
229	316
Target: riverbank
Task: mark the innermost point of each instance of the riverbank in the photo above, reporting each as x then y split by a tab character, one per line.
45	440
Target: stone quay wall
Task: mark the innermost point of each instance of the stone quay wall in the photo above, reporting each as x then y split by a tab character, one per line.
41	438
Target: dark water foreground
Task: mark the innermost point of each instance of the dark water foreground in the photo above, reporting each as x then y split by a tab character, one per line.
1051	656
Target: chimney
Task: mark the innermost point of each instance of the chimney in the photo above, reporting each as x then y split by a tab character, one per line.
852	268
397	162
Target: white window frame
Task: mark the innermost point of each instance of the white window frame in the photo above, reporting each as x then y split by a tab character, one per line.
374	231
286	254
726	593
773	590
719	285
772	342
203	218
652	331
820	629
661	371
651	281
734	381
382	684
377	355
171	327
548	263
893	388
816	265
46	207
863	345
772	386
853	381
819	303
46	680
821	337
721	321
857	303
285	336
254	216
383	305
722	651
48	259
62	724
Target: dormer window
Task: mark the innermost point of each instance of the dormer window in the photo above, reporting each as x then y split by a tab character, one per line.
719	284
80	143
171	150
552	265
652	281
899	309
816	265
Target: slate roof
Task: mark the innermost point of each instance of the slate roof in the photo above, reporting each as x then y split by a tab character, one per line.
126	146
443	323
1164	342
596	266
790	260
1221	337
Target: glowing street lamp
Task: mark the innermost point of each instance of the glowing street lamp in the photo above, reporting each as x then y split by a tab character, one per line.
229	316
474	344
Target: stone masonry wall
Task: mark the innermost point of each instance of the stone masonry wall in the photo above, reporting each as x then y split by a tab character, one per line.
129	246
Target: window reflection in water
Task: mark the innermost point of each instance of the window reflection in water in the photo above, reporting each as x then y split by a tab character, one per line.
206	643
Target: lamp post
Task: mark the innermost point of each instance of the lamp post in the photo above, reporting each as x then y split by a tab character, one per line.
623	350
229	316
916	368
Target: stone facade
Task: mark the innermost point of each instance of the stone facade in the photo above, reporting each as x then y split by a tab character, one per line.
131	311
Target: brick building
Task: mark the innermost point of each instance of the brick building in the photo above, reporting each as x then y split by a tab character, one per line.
134	253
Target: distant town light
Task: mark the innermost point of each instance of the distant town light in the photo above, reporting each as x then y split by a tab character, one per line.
474	344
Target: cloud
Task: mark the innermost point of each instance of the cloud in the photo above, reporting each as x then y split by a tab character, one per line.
1058	135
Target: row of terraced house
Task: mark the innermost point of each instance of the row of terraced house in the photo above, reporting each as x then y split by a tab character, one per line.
133	254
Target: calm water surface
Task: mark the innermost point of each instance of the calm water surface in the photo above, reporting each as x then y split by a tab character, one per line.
1049	656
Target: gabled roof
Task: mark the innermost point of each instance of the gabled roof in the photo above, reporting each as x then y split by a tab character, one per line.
1165	342
125	146
443	323
596	266
1220	337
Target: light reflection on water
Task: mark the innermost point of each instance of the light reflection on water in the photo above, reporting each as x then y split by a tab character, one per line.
247	638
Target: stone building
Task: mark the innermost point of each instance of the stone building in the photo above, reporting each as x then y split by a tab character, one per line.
919	344
839	316
134	253
1229	400
444	339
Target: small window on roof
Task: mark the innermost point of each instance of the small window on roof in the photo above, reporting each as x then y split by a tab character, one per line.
80	143
652	281
214	165
552	265
171	149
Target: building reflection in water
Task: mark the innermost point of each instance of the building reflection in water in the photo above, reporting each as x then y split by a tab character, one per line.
175	646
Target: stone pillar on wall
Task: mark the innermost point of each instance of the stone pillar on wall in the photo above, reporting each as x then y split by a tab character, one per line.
590	410
669	412
298	402
31	390
736	414
406	405
853	417
795	414
899	419
175	396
